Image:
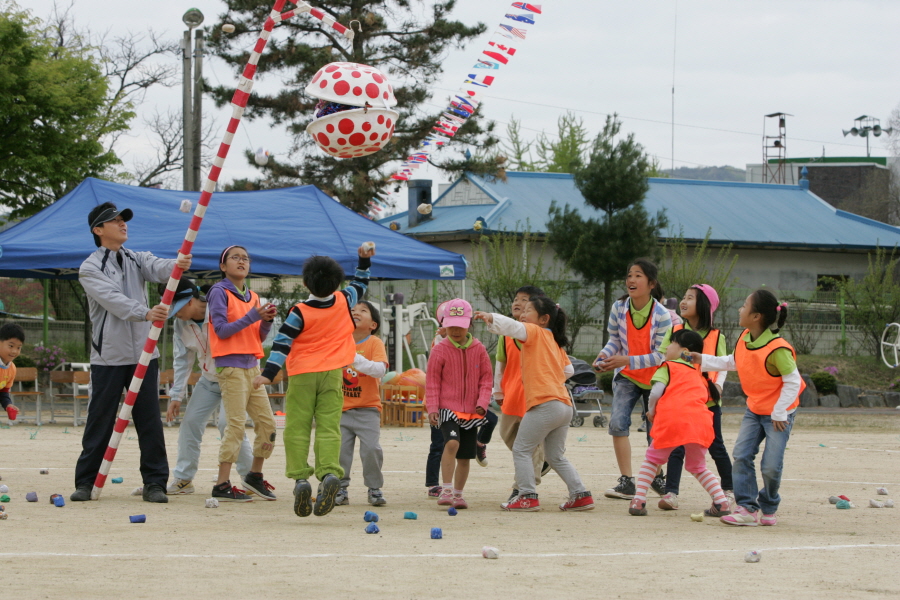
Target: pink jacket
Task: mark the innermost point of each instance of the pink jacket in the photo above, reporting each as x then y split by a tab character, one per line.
459	380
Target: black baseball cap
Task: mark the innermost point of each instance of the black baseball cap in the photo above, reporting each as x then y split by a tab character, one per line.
108	213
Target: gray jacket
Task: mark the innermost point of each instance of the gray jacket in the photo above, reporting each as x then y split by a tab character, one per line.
118	303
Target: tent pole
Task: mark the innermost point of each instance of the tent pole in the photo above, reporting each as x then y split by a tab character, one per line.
46	338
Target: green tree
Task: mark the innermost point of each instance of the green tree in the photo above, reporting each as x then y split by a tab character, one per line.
53	110
503	262
398	37
613	182
874	301
679	271
563	155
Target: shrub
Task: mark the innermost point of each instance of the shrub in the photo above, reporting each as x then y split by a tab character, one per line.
604	380
825	382
24	361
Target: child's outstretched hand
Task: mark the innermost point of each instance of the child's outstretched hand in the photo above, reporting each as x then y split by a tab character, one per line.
367	250
433	419
696	358
487	317
260	380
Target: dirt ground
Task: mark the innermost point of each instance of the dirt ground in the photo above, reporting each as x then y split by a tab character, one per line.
262	550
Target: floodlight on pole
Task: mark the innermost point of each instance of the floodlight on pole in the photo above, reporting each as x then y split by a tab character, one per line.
192	18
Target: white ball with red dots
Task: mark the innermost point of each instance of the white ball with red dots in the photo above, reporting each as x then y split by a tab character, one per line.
354	133
353	84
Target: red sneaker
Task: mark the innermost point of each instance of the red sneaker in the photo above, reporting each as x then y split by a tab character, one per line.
523	503
446	497
582	501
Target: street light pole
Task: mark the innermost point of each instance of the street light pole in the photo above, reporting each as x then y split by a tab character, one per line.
187	149
192	121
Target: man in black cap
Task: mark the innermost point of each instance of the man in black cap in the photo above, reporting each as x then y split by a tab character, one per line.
114	280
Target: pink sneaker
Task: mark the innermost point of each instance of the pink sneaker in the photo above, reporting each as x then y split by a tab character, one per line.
741	516
434	492
446	497
768	520
459	502
638	508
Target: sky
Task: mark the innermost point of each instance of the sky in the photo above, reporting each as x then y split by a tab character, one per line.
824	62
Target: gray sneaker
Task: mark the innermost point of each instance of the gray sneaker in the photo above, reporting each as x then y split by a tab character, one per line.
623	490
376	498
342	498
302	498
328	489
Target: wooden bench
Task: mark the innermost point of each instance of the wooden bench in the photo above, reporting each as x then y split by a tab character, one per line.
27	375
74	379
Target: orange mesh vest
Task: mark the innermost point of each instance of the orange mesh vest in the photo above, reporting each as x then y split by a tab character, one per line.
710	345
638	344
326	342
245	341
511	383
681	413
762	388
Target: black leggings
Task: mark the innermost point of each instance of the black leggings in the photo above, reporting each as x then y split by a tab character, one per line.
717	450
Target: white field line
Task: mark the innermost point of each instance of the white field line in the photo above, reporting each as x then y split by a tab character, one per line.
437	555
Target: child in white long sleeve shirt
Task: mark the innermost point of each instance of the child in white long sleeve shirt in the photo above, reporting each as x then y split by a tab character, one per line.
361	416
767	366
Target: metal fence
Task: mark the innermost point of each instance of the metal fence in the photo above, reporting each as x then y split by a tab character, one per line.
816	323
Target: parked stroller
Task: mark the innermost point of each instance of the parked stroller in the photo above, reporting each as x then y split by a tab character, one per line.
585	395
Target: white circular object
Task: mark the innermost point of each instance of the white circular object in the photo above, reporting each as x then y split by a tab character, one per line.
212	503
228	28
353	133
368	246
881	491
753	556
876	504
424	209
889	503
890	344
490	552
353	84
4	489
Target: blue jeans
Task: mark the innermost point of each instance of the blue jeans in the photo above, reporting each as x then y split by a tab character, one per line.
625	396
205	399
754	429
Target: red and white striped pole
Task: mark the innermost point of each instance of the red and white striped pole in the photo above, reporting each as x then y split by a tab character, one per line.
238	103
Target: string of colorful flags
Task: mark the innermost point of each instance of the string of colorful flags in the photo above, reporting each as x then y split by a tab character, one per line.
465	101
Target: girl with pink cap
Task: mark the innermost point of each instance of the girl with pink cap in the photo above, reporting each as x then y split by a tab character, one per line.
698	307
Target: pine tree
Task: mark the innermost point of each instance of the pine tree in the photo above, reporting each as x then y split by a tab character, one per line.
614	182
396	39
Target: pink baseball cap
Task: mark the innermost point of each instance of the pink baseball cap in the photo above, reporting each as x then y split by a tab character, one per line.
710	294
440	311
457	313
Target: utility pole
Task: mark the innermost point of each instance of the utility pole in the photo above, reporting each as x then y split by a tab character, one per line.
191	111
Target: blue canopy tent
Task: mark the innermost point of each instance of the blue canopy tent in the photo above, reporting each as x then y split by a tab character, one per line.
280	228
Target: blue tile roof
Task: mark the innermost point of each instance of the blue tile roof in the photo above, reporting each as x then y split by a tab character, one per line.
745	214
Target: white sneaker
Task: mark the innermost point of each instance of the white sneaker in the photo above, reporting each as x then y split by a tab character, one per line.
668	502
180	486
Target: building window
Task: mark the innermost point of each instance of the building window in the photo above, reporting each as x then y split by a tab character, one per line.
829	283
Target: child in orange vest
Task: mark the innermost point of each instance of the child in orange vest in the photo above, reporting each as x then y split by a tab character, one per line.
680	417
239	325
315	344
698	307
361	418
548	408
637	326
12	337
767	366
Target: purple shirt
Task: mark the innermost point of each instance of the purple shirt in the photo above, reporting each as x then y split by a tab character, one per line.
217	299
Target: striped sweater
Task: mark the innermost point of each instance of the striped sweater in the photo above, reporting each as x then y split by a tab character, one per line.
457	379
293	324
660	323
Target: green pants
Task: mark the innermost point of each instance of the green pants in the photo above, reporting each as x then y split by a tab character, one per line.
313	396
